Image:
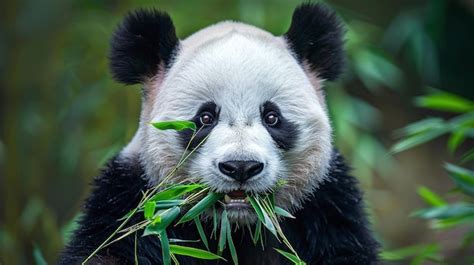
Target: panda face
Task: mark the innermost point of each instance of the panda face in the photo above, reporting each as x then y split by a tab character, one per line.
256	99
257	112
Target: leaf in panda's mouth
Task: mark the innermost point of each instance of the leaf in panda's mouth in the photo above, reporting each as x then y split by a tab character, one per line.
162	208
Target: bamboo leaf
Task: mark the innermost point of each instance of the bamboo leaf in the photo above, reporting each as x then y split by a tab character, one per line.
201	232
451	222
165	204
272	200
456	139
421	126
175	192
445	102
293	258
468	156
430	197
280	183
463	178
258	232
38	256
193	252
418	139
403	253
230	242
149	209
166	218
223	233
262	215
174	125
447	211
257	208
165	248
283	212
201	206
178	240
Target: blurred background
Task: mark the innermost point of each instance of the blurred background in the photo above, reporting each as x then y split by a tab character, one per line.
410	62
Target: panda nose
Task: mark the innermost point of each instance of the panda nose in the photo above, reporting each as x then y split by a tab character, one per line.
240	170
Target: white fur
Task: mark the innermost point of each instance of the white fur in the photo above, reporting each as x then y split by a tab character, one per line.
239	67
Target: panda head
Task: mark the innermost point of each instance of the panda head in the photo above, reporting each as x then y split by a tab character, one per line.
256	98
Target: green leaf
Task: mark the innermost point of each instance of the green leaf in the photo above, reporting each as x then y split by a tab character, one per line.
230	242
465	120
468	156
447	211
223	233
165	204
193	252
421	126
451	222
418	139
257	208
178	240
456	139
293	258
149	209
176	191
201	206
400	254
283	212
271	199
430	197
262	215
280	183
374	70
463	178
166	218
165	248
38	256
174	125
430	252
410	251
445	102
202	234
258	232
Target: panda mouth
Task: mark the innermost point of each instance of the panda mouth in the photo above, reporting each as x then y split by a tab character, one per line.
236	199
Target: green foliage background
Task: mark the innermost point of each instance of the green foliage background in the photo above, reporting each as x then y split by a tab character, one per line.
62	116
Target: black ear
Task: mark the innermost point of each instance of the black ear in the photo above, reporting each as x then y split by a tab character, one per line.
316	38
144	40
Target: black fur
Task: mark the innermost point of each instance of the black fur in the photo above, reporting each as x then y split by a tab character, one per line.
202	130
145	40
330	229
316	37
284	133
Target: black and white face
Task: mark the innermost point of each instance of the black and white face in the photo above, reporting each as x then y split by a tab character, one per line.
256	109
259	110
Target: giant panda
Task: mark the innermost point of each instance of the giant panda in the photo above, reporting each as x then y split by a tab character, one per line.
258	101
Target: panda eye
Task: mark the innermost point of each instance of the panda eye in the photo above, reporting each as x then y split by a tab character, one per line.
271	118
206	118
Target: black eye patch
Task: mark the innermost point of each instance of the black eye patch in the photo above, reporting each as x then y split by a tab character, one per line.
203	130
284	133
